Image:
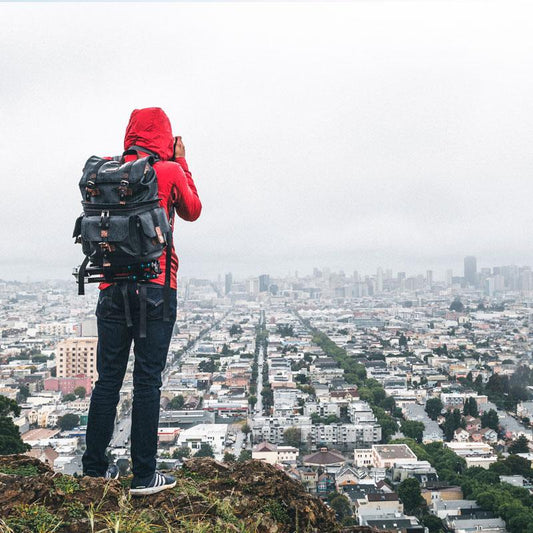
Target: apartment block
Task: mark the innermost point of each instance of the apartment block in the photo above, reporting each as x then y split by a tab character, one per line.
77	356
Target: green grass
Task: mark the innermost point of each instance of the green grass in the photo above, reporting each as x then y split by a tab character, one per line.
75	510
277	511
33	519
23	470
66	484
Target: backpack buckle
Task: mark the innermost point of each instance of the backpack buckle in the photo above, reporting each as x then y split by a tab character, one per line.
104	220
106	247
123	191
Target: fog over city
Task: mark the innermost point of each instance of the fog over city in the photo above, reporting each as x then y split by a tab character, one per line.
349	135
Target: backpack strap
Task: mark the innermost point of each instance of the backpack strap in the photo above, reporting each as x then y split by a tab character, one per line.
134	149
91	189
81	276
127	311
166	289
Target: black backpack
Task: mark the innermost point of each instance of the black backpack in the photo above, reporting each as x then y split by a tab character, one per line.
123	230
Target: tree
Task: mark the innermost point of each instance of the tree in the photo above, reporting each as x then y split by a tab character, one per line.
180	453
229	457
292	437
490	420
285	330
388	404
412	429
24	392
69	397
403	342
452	421
519	466
457	305
470	407
245	455
434	408
208	366
235	329
520	445
433	523
252	400
246	429
80	392
389	426
68	421
10	440
206	450
301	378
340	504
409	493
176	403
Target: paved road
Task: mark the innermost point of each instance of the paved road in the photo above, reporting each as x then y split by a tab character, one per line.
259	388
120	437
237	447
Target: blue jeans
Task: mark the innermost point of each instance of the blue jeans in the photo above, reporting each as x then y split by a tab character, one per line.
114	342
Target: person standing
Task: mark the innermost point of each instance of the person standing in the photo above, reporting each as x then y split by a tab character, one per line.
118	315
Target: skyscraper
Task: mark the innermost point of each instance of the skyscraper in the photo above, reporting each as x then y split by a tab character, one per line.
228	282
449	277
264	282
471	270
429	278
379	280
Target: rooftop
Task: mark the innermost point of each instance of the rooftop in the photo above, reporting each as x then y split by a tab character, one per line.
394	451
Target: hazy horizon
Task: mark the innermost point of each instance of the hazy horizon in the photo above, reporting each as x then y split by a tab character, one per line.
393	134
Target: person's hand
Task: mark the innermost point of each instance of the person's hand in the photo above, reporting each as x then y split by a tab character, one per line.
179	148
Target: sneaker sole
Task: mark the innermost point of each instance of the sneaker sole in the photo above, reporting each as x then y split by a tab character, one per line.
151	490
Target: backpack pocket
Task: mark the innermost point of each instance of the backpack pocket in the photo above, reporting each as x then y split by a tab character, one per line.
77	228
153	232
116	239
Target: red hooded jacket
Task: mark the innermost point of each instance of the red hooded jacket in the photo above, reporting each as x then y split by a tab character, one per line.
150	128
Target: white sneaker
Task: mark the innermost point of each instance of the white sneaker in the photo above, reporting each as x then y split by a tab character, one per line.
158	483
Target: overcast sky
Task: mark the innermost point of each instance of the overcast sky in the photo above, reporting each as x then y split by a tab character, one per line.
349	135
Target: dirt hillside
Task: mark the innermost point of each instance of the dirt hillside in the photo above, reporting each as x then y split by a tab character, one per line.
249	497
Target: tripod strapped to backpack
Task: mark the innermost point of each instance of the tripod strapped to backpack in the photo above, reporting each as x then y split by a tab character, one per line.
123	229
97	274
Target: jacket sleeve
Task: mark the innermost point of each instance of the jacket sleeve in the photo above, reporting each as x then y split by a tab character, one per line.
187	203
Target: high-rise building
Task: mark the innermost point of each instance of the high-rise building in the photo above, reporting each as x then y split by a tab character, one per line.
449	277
264	282
471	270
429	278
253	285
77	356
379	280
228	283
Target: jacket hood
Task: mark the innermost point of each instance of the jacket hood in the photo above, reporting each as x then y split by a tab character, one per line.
150	128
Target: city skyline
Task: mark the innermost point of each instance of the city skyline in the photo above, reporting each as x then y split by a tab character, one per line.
437	275
348	134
